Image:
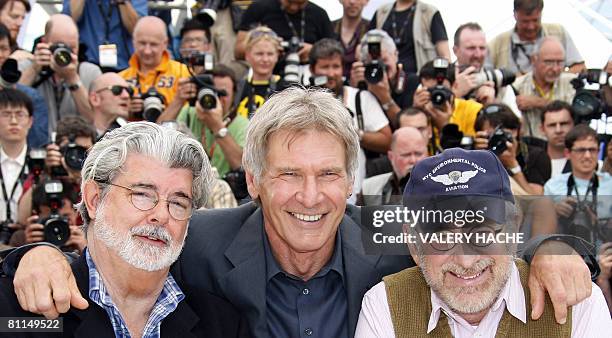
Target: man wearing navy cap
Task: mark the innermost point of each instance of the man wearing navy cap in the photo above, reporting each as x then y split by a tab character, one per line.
479	290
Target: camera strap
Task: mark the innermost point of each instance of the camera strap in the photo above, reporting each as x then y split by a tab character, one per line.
19	180
358	111
107	18
302	24
397	36
592	188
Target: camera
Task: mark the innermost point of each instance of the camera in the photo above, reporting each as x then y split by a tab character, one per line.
291	74
74	157
196	58
588	102
9	73
56	228
500	77
62	54
452	137
153	103
498	139
36	162
375	68
207	93
440	93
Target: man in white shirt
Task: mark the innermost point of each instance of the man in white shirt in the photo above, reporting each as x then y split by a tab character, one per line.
462	288
374	131
557	121
15	122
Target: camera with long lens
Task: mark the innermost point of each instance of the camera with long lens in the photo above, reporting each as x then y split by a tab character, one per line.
153	103
588	101
206	11
374	66
62	54
56	228
74	156
9	73
207	94
498	139
291	74
500	77
452	137
440	93
196	58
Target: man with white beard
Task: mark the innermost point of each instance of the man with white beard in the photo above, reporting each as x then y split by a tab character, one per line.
136	222
472	287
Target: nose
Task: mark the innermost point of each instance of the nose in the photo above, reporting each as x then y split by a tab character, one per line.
464	256
160	214
309	195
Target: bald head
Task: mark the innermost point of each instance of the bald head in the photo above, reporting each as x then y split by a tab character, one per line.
61	28
408	146
107	79
549	44
152	26
548	60
107	100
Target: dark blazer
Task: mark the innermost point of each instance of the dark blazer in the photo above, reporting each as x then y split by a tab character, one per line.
217	318
224	254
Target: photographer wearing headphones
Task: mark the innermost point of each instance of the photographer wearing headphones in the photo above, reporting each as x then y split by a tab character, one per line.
498	129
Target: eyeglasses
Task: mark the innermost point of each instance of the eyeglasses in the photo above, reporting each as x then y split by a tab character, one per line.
552	63
117	90
144	199
583	151
18	115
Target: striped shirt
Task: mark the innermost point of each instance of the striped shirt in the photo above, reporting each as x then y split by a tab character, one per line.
167	302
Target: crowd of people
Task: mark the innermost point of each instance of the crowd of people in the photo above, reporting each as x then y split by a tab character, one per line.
264	130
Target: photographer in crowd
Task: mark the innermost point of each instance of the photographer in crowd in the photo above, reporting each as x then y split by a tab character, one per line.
349	30
289	19
55	71
472	78
15	122
220	130
12	15
153	74
514	49
498	129
262	47
372	124
418	118
435	97
545	83
417	30
583	187
557	121
195	40
110	97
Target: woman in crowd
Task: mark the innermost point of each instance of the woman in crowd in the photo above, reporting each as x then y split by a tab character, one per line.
12	14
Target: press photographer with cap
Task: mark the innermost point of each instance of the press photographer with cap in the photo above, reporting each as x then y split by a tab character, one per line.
474	288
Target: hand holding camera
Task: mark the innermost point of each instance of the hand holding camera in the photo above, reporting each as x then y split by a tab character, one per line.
465	81
186	90
34	231
211	117
604	258
42	57
565	207
136	103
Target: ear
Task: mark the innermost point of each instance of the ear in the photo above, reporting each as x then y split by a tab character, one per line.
455	49
566	152
91	197
94	100
251	185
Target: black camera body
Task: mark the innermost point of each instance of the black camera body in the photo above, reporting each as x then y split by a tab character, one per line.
452	137
74	157
440	93
374	68
588	101
199	59
62	54
153	103
9	73
56	228
207	94
5	231
36	162
498	139
291	73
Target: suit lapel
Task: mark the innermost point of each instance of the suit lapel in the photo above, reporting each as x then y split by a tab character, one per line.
180	322
245	284
359	269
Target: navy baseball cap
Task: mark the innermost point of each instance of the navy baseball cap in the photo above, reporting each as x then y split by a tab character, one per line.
457	180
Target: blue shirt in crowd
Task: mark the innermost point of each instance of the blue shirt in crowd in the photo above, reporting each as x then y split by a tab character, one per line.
315	308
39	133
93	26
557	187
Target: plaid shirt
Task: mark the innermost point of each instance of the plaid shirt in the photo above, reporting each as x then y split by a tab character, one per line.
167	302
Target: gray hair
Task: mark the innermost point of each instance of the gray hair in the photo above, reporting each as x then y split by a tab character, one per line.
545	40
298	109
386	44
107	157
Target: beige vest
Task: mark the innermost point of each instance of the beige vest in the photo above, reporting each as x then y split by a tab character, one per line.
409	300
424	49
499	48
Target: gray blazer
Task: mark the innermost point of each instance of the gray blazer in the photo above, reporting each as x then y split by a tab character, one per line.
224	254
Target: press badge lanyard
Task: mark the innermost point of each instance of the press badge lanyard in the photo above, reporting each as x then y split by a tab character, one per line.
8	199
107	19
302	24
397	36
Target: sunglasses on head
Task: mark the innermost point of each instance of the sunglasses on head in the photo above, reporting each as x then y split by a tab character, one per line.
117	90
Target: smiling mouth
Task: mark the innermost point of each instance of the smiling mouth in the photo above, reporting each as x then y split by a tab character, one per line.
307	218
469	277
155	240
